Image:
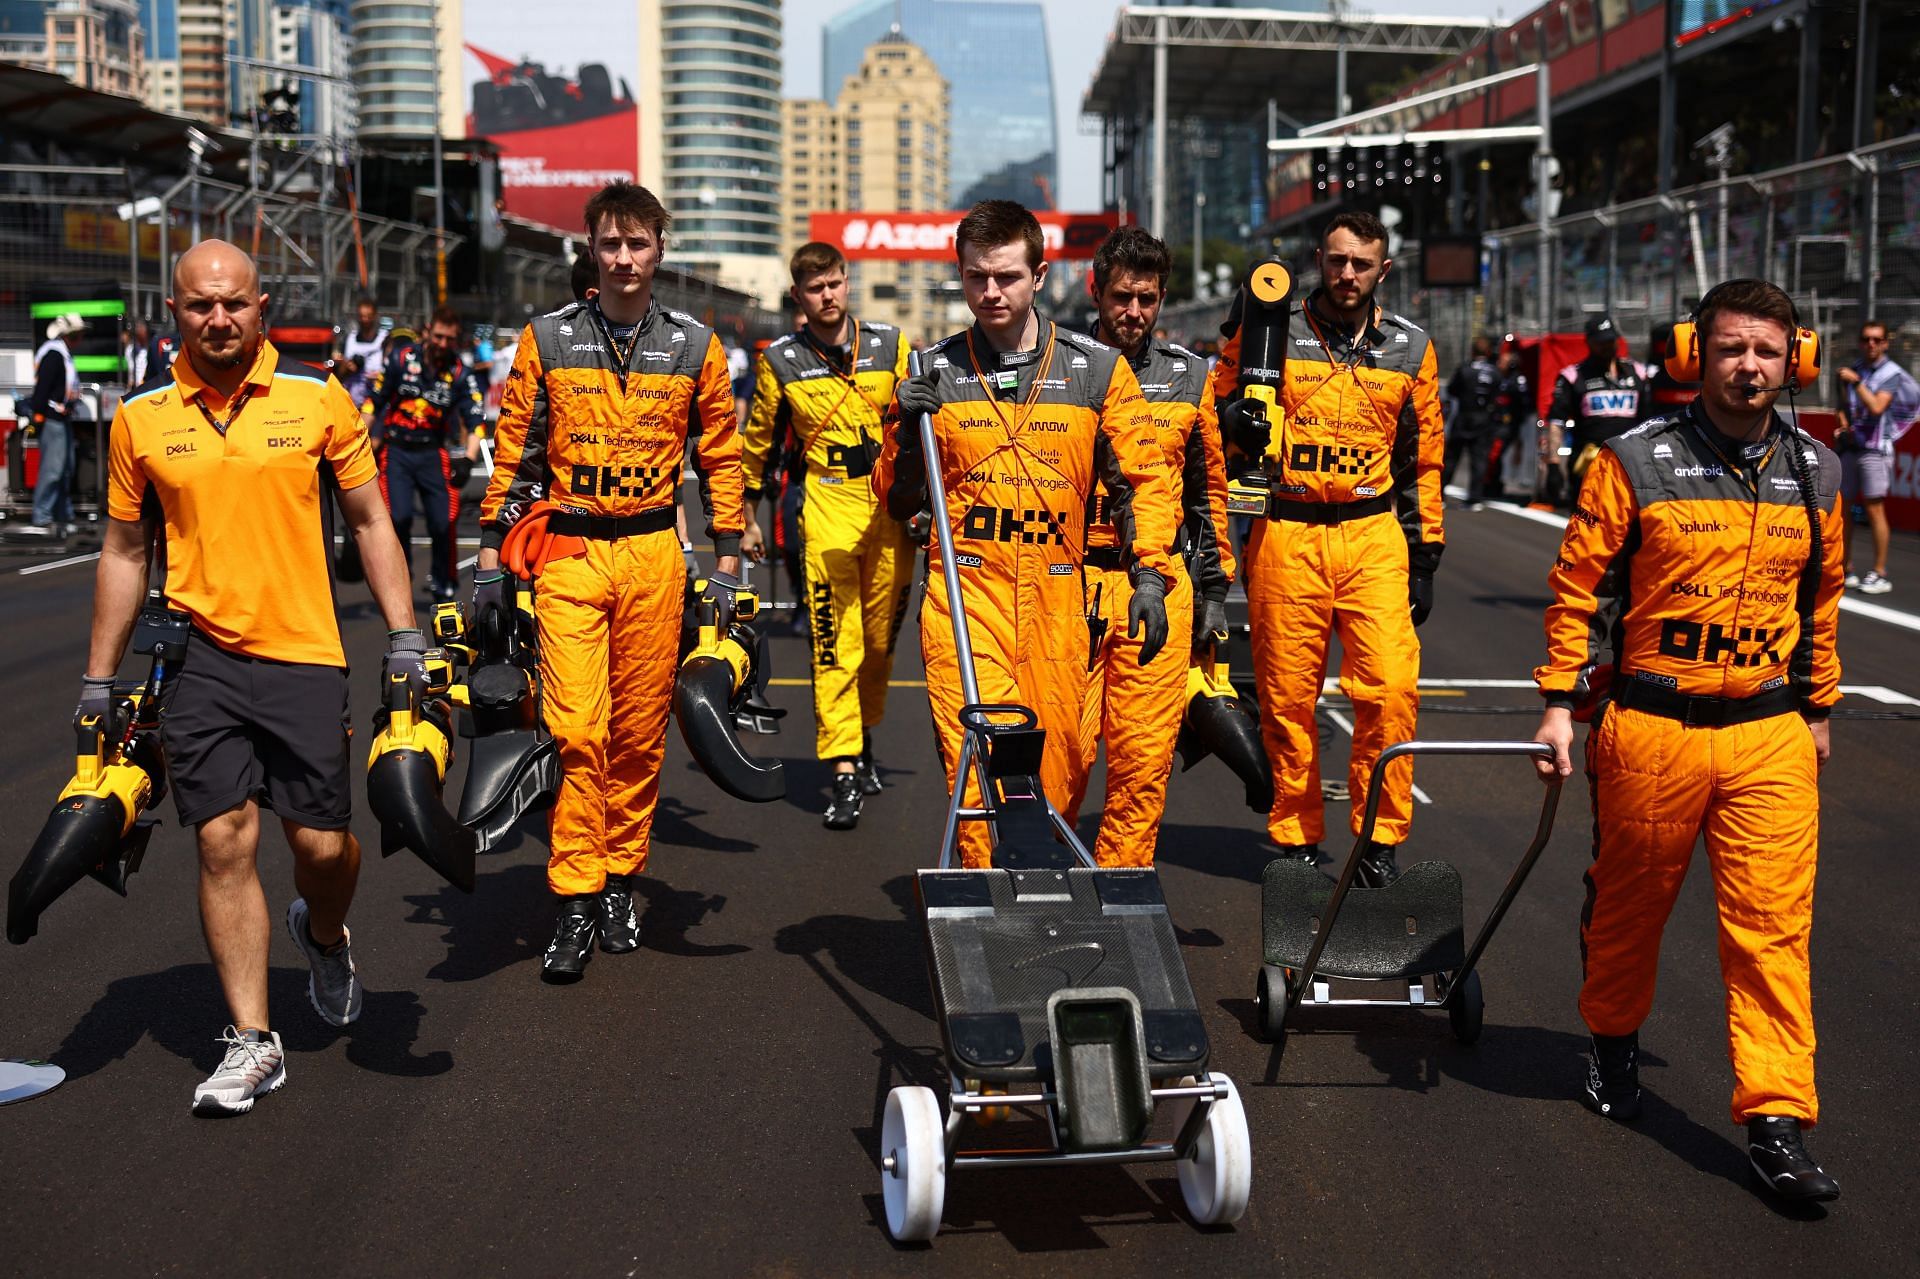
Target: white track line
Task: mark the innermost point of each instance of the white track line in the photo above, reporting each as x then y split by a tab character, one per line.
1848	604
1346	726
51	565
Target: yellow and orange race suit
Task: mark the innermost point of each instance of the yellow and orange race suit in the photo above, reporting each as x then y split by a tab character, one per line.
1136	710
1354	510
859	564
1691	562
599	421
1019	461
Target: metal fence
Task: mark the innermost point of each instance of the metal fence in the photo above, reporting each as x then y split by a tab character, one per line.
1841	234
120	230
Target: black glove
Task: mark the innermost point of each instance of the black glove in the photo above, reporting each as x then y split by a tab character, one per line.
461	468
1209	622
917	395
96	699
1148	608
489	590
1420	596
1243	423
406	655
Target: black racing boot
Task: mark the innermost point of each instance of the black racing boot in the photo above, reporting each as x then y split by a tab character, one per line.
1377	866
1782	1162
843	810
619	921
1308	853
573	936
870	783
1613	1077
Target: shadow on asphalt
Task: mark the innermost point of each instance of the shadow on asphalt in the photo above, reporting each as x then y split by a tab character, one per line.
481	938
1048	1210
1416	1052
180	1009
1227	852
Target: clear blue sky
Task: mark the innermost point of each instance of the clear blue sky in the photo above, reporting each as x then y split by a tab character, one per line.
1077	31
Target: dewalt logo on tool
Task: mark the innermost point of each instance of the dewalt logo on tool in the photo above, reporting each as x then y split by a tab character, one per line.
614	481
1712	642
1005	524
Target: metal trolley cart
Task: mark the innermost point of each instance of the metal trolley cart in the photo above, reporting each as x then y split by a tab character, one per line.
1409	933
1059	986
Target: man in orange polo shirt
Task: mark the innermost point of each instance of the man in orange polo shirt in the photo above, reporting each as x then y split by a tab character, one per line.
234	451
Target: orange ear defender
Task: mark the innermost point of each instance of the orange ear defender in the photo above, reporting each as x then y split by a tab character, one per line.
1683	350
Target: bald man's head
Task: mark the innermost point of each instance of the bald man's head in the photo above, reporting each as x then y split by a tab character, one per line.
219	306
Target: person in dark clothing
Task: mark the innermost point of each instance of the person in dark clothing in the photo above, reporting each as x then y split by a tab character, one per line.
426	407
1514	410
1602	396
56	386
1474	393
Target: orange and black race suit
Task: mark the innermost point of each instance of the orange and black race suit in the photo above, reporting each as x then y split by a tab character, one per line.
1692	563
599	421
1136	710
859	564
1021	438
1354	509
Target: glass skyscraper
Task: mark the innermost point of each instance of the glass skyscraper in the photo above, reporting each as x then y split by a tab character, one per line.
994	57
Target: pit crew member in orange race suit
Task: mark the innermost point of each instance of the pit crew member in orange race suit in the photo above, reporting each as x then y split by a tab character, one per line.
1025	415
1136	709
831	385
428	405
1701	546
1351	537
235	449
604	398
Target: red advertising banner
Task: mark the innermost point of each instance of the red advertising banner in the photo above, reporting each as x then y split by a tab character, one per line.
565	126
928	237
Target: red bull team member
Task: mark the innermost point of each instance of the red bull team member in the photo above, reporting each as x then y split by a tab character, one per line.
1136	708
1351	537
237	447
427	410
1706	547
604	398
830	386
1026	415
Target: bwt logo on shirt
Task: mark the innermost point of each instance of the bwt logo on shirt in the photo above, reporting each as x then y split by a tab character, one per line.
1610	403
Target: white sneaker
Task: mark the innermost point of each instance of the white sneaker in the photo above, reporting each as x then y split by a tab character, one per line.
1874	584
1852	582
253	1067
333	988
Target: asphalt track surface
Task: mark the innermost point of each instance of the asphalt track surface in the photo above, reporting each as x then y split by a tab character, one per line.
710	1104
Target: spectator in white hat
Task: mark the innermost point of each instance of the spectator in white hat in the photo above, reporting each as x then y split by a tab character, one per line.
56	385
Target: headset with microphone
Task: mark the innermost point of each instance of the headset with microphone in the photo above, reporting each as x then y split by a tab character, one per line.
1803	346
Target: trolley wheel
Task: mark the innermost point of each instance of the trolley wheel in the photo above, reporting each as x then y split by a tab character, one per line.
1466	1010
913	1164
1216	1179
1270	1001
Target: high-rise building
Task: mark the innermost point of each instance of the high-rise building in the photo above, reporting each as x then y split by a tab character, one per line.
160	22
313	33
894	118
813	176
881	147
995	58
710	133
97	44
203	33
406	58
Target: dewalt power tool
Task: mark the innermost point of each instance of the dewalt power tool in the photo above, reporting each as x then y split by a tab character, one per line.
407	767
716	682
1263	374
103	819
